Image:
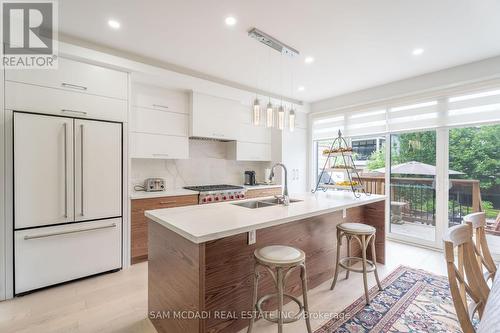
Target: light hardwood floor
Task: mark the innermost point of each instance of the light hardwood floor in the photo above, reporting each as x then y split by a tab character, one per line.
118	302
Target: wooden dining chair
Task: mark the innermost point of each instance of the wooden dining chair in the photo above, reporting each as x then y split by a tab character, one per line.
483	254
466	279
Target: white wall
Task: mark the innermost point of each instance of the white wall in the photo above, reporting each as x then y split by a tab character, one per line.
454	76
207	165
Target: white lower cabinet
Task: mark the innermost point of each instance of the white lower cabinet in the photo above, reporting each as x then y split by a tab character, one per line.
249	151
51	255
144	145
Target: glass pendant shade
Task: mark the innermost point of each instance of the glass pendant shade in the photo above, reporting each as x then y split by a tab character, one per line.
256	112
269	115
291	120
281	117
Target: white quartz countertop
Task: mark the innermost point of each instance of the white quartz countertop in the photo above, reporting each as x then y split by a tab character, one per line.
181	191
260	186
159	194
204	223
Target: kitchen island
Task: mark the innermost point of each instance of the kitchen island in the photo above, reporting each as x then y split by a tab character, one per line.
200	274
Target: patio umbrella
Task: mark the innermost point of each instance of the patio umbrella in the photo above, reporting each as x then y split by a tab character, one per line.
416	168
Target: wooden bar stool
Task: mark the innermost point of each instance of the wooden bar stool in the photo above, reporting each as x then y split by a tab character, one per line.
280	261
365	235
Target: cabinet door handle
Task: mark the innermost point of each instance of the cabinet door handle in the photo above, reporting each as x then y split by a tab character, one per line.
167	202
68	232
160	106
74	111
81	170
158	154
65	126
73	86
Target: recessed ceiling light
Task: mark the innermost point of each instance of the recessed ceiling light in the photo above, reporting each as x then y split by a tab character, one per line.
309	60
418	51
230	20
301	88
114	24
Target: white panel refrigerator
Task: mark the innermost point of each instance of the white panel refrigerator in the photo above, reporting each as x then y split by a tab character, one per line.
67	199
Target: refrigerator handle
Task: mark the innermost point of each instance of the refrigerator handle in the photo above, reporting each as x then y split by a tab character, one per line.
65	125
81	171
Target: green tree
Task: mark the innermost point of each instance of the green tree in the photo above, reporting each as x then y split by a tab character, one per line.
475	151
376	159
418	146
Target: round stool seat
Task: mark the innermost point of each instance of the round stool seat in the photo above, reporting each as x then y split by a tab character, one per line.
357	228
279	255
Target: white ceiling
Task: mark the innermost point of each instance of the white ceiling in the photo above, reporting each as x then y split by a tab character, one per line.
356	43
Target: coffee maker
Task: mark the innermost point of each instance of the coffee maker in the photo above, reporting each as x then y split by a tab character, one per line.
250	178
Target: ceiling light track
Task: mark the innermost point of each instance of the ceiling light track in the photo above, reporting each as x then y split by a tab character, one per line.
273	43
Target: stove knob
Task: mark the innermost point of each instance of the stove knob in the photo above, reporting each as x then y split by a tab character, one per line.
242	196
224	198
231	197
209	199
204	200
216	198
237	196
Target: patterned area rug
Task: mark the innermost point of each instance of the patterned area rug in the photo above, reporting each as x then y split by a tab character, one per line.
413	301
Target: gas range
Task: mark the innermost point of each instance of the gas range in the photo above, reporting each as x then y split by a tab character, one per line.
218	193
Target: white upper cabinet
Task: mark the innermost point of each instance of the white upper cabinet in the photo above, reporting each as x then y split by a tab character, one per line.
77	76
248	151
226	119
39	99
161	99
159	123
214	117
75	89
144	145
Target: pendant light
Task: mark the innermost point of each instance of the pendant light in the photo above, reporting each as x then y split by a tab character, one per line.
256	112
281	117
291	119
269	114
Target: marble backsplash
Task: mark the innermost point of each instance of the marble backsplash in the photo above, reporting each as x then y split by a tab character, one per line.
207	164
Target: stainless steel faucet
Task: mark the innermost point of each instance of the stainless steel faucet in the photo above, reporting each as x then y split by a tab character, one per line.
285	199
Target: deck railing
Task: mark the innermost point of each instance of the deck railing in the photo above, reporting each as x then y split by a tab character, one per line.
417	197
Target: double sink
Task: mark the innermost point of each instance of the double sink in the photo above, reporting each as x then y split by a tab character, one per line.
263	203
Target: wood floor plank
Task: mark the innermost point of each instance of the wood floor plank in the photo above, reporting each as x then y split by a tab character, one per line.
117	302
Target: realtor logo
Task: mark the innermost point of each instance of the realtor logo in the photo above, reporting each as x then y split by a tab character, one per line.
28	32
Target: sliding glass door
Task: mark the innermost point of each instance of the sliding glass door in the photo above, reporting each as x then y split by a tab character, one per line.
413	187
474	178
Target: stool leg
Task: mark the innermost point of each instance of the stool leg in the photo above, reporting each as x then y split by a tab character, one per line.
348	255
337	255
280	298
365	280
374	258
303	276
255	291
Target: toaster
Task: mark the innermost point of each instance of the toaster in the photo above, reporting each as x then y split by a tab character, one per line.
154	184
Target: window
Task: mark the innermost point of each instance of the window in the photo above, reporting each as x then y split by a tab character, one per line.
460	122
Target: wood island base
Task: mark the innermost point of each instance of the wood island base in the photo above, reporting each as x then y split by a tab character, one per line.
207	287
